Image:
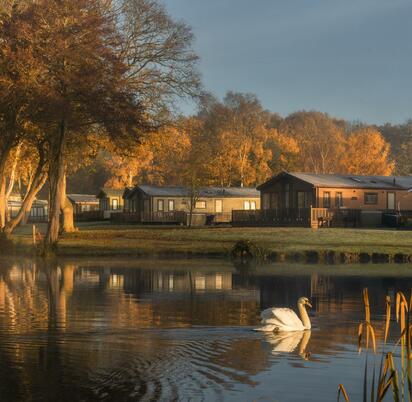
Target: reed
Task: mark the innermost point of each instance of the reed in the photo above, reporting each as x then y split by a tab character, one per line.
391	377
342	390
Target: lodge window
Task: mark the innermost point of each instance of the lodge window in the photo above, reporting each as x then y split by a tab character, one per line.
200	282
115	204
218	206
371	198
160	205
85	208
219	282
249	205
287	195
301	196
171	205
266	200
37	212
326	199
274	201
200	205
339	200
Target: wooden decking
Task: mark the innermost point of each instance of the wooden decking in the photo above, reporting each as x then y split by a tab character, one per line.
172	217
273	217
299	217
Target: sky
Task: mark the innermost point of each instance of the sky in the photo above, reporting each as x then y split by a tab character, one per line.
349	58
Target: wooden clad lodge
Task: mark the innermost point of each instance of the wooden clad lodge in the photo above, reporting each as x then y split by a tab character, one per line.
110	201
85	207
303	190
38	211
147	203
83	202
310	199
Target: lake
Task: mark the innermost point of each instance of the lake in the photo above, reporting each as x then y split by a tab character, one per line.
153	330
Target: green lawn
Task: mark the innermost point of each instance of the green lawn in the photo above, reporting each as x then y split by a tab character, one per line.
106	239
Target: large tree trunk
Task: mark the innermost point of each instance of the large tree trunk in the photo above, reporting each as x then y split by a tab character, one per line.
56	177
67	210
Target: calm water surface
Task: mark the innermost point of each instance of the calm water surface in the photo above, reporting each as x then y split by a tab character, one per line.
181	330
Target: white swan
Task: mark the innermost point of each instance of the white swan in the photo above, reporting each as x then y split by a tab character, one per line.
285	319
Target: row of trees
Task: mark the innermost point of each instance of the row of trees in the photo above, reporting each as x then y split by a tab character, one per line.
75	73
237	142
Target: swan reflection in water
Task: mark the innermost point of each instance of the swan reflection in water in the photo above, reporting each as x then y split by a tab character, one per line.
289	342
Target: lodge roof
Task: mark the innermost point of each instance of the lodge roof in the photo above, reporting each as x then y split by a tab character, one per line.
82	198
346	181
110	192
204	192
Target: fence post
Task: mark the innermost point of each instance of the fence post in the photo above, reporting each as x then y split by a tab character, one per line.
314	224
34	234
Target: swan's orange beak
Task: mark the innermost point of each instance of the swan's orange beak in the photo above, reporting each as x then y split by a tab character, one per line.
308	304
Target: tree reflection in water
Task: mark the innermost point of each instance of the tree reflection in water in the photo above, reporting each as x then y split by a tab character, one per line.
153	329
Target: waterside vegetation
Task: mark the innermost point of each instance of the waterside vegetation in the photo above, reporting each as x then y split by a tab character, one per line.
394	373
276	244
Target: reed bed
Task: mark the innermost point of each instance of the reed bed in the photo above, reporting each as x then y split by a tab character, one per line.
386	378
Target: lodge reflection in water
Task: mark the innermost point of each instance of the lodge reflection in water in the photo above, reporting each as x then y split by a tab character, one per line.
85	327
28	291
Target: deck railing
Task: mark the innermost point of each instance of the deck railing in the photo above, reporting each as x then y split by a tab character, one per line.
155	217
335	217
164	217
303	217
178	217
272	217
320	217
87	216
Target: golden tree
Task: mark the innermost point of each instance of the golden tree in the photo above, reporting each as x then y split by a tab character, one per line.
320	139
366	153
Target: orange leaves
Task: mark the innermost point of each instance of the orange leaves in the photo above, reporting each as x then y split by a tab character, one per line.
326	148
367	152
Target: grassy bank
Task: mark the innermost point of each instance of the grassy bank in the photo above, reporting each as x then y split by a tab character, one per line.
106	239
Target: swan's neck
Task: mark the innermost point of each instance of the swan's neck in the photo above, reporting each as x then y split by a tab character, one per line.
304	316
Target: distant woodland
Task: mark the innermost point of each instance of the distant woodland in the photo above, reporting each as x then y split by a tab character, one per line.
235	142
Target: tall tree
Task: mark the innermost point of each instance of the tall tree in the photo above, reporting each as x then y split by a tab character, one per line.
236	130
320	139
16	74
95	74
366	153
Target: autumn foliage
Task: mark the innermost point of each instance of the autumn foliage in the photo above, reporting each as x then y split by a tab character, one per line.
237	143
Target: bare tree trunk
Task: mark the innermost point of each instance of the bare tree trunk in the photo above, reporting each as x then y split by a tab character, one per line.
66	209
3	203
11	179
37	185
130	179
4	155
56	176
13	171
